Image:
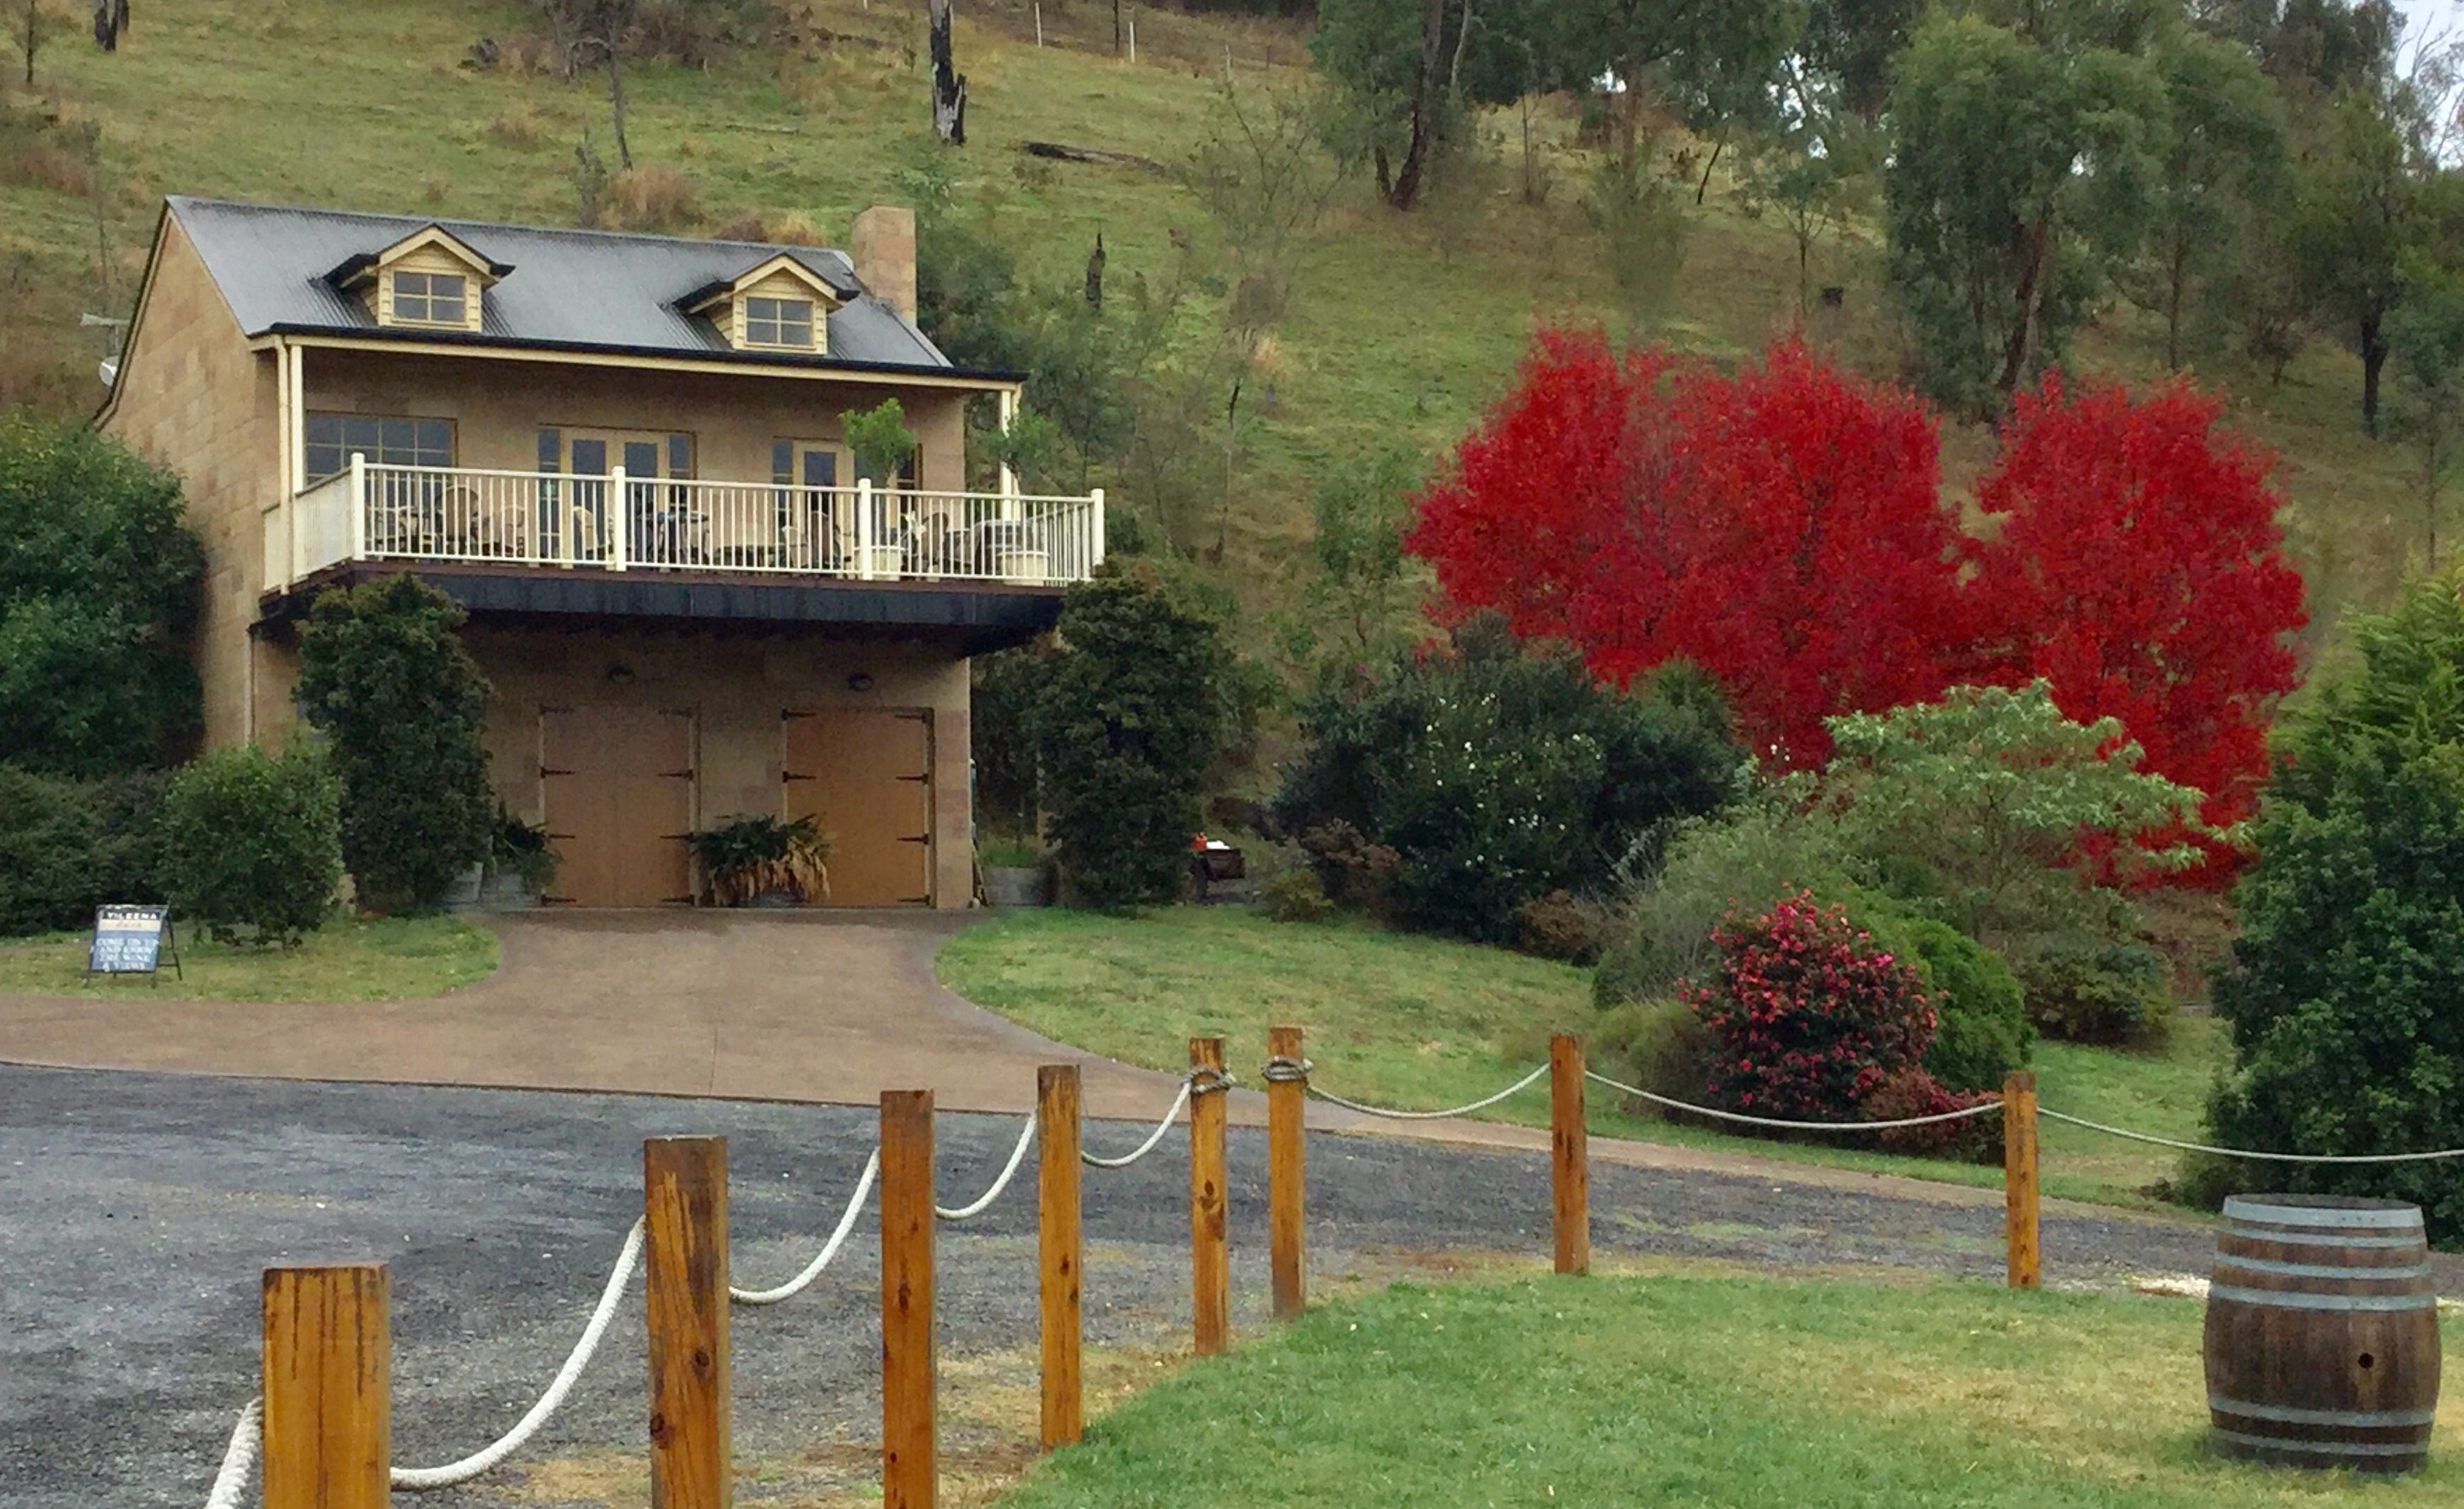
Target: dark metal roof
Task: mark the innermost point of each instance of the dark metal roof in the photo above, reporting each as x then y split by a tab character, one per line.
568	290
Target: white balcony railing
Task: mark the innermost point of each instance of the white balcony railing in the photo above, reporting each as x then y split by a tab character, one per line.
620	523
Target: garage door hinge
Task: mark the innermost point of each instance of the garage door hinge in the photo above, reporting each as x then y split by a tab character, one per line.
675	775
789	775
921	838
791	714
919	779
546	707
546	770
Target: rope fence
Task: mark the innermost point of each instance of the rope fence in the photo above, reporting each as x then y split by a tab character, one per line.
829	1249
418	1479
322	1419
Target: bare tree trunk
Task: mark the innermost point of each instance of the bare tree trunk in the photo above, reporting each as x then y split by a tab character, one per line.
1719	144
2374	355
949	85
1425	108
32	41
616	95
1454	70
2022	343
1116	27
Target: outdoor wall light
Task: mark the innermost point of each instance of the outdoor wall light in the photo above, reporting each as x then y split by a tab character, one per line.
861	681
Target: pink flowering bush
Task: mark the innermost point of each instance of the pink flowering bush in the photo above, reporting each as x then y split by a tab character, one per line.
1809	1016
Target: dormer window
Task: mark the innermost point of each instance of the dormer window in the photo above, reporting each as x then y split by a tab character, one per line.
430	279
431	298
786	322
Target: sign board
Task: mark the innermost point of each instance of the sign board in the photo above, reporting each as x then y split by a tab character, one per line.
131	940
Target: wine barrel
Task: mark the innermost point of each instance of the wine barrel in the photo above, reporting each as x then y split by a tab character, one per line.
2323	1333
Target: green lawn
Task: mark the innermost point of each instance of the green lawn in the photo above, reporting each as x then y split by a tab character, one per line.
1416	1022
391	958
1742	1393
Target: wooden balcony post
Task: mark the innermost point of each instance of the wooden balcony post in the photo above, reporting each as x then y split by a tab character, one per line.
618	524
684	1182
328	1389
1060	1244
359	506
1009	509
1210	1259
1096	497
910	1451
864	528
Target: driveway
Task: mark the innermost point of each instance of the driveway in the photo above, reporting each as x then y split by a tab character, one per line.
737	1004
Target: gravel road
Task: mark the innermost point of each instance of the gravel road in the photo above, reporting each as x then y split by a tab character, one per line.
136	1212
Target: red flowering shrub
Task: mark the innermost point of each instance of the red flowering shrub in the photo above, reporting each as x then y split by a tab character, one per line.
1915	1092
1808	1015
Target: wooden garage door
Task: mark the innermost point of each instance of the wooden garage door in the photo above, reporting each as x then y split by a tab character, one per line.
619	786
867	778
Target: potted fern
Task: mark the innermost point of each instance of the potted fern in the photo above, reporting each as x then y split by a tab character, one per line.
761	861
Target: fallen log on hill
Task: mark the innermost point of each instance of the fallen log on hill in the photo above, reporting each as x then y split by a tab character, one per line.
1061	151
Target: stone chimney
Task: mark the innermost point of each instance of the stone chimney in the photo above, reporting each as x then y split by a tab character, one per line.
883	248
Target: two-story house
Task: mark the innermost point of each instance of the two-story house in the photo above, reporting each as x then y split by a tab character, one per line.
622	454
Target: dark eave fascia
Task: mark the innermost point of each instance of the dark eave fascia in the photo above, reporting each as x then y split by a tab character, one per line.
728	354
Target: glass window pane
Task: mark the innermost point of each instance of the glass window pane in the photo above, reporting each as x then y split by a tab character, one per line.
591	458
360	434
783	461
446	311
821	469
324	430
641	459
436	440
395	438
323	460
551	450
680	456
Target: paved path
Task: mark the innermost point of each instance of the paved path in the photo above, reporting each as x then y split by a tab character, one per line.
738	1004
829	1007
137	1210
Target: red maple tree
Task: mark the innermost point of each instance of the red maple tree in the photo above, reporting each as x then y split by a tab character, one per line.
1781	527
2139	568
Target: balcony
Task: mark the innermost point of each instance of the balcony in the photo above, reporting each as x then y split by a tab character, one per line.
980	571
467	518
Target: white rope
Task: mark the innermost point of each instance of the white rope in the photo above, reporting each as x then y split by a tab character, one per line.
829	1249
1429	1116
983	1203
231	1481
1993	1104
417	1478
1152	1138
2241	1152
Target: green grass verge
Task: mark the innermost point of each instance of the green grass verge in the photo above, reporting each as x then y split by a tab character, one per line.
1701	1391
1418	1022
389	958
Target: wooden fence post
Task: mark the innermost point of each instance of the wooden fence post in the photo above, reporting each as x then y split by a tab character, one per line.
1059	1247
328	1389
910	1454
1210	1261
684	1207
1287	1174
1569	1156
2019	1220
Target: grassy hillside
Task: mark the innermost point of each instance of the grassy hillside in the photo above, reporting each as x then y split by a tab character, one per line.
1401	329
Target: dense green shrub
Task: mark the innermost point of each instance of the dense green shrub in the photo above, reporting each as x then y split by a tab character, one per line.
2086	989
1130	718
2346	995
69	846
1563	926
1741	861
252	842
1500	772
403	706
1980	1030
1807	1013
1657	1045
97	594
1000	728
1295	895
